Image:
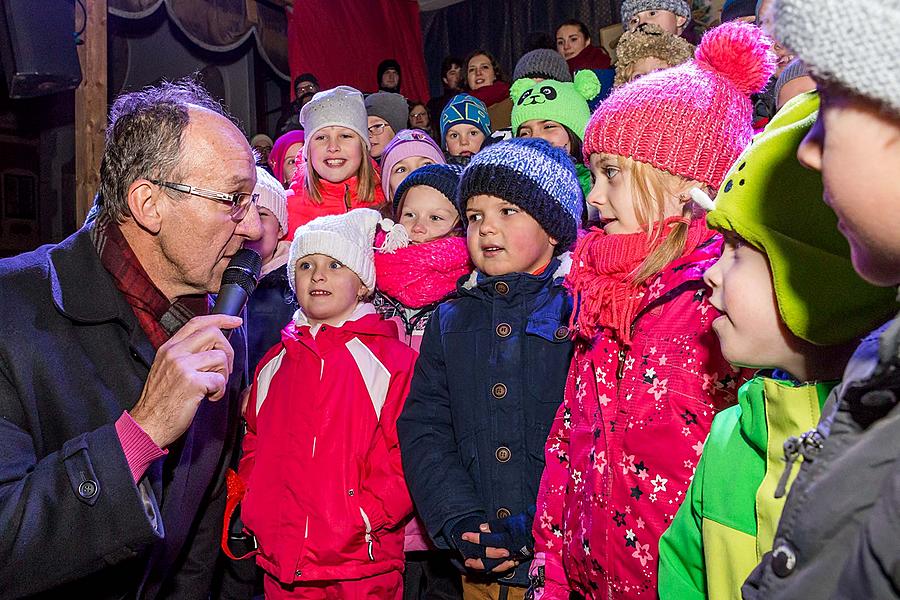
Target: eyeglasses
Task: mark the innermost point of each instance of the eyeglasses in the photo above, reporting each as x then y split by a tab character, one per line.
239	202
377	129
306	88
417	115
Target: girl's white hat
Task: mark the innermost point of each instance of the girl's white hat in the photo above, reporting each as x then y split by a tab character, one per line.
342	106
273	196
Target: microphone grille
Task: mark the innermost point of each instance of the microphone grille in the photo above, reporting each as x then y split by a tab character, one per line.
243	270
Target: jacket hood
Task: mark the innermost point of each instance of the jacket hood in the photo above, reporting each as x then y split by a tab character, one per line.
556	270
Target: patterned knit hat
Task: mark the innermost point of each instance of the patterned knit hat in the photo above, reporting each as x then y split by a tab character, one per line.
389	106
632	7
649	41
443	178
407	142
533	175
692	120
735	9
273	196
543	63
851	42
775	204
467	109
565	103
341	106
347	238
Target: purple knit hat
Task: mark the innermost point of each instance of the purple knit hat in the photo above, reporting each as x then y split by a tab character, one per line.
407	142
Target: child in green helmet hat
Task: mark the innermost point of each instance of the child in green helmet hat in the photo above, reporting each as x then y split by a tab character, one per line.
557	112
793	307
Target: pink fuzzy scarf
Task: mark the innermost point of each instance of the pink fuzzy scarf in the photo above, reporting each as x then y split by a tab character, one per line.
422	274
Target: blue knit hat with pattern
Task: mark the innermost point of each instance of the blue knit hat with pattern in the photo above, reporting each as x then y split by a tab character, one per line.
533	175
467	109
443	178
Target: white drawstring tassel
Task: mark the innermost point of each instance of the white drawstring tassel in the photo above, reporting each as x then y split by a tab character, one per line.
397	237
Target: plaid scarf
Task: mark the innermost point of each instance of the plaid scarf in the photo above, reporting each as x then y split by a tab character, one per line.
158	317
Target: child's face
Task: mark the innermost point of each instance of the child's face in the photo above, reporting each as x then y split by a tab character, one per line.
502	238
402	169
480	72
857	149
335	153
427	214
464	140
265	245
550	131
327	291
380	134
570	41
751	332
645	65
291	159
669	21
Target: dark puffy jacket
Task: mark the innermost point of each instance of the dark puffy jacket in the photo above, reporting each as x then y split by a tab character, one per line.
839	531
269	309
490	376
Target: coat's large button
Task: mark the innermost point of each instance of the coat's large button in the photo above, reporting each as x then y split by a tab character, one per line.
503	454
498	391
502	513
784	561
503	330
87	489
501	287
561	333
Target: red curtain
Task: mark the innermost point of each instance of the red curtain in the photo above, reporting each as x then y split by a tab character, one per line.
342	41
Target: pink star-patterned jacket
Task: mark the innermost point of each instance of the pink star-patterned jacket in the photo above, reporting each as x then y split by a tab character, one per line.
625	441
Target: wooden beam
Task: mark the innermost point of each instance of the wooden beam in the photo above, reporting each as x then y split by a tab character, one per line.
90	105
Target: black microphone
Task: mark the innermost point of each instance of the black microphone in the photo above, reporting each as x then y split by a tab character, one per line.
238	282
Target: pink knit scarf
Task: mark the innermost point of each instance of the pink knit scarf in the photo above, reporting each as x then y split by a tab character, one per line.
422	274
603	266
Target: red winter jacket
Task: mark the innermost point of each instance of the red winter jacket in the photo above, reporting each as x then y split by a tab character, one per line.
326	498
624	443
337	198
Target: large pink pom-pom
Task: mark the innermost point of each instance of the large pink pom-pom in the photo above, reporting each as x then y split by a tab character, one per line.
741	52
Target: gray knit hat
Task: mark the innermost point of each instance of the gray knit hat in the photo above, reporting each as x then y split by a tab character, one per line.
795	69
632	7
389	106
850	42
342	106
542	63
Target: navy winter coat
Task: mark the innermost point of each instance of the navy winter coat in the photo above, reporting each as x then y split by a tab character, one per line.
490	376
269	309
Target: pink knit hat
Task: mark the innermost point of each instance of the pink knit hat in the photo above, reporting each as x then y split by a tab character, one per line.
407	142
692	120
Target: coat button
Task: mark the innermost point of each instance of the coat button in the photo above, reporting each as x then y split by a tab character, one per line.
503	454
503	330
350	492
561	333
87	489
503	513
784	561
501	287
498	391
297	573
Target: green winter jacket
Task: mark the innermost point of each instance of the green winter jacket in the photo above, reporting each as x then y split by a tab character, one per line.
730	513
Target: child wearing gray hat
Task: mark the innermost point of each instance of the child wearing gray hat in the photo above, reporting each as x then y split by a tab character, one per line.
672	15
387	114
837	537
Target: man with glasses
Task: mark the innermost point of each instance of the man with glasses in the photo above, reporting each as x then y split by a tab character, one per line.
119	393
305	87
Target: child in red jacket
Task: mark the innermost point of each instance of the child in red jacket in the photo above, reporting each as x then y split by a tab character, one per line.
647	376
326	498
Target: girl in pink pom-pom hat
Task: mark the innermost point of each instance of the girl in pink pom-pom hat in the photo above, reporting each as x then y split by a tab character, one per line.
647	376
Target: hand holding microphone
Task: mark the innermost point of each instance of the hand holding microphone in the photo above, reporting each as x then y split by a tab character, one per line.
198	360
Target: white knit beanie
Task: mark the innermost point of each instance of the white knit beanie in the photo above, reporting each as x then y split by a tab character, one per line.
342	106
851	42
273	196
348	238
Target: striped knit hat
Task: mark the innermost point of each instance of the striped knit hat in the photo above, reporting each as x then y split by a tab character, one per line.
464	108
692	120
533	175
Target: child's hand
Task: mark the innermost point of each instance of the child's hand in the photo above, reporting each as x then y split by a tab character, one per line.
496	559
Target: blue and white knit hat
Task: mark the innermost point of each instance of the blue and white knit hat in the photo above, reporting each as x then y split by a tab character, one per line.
443	178
533	175
464	108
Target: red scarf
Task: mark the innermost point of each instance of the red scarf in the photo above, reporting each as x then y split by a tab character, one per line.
422	274
492	94
603	266
592	57
158	317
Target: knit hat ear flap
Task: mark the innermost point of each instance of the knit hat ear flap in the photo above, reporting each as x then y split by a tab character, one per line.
587	84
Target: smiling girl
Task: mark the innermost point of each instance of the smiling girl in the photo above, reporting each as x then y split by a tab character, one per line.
338	174
484	80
